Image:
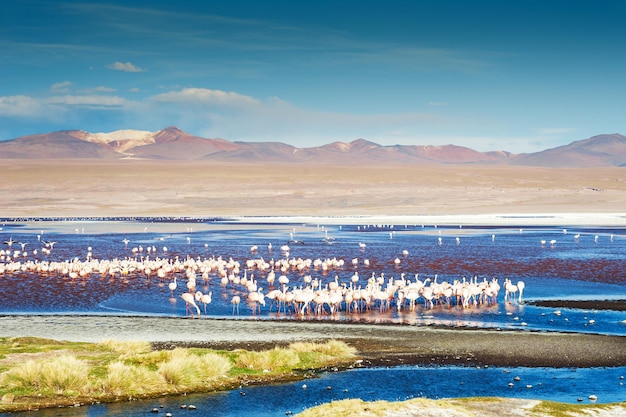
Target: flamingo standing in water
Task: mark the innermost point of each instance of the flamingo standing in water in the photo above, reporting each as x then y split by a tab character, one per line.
520	288
190	302
206	299
511	289
172	286
235	301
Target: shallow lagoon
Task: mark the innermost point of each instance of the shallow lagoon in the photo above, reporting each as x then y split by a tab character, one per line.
590	266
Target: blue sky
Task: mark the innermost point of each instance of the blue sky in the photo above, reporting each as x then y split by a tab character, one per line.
521	76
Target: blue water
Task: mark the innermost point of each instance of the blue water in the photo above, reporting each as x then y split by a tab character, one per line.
592	266
571	268
392	384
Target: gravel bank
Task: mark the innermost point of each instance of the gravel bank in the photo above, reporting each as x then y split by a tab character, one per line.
377	344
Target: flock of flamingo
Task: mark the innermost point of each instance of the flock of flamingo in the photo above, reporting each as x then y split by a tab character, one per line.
267	284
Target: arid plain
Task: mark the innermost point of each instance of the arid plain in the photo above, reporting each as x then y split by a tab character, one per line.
85	188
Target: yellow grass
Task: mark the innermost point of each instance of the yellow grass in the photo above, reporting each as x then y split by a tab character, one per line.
122	379
126	347
463	407
187	371
64	375
116	370
333	348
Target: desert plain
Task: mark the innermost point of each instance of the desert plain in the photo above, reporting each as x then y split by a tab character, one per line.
101	188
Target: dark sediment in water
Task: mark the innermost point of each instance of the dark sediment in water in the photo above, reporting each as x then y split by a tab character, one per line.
617	305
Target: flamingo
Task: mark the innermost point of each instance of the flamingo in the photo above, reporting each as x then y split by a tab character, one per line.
206	299
520	287
235	301
190	302
256	298
172	286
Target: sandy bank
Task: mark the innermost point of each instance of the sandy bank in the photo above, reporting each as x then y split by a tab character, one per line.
378	344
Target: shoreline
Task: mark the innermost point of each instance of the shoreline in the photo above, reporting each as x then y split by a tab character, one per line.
491	219
378	345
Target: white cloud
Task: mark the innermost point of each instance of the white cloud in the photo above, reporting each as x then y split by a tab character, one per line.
21	106
206	96
87	100
125	66
62	87
100	89
103	89
58	107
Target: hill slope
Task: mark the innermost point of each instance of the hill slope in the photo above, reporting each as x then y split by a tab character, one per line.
172	143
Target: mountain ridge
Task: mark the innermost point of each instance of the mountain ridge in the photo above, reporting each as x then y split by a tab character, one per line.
172	143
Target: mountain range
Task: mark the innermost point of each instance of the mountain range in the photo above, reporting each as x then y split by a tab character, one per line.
171	143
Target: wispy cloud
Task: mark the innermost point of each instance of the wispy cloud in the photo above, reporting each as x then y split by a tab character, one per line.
97	90
62	87
125	66
57	106
235	116
205	96
21	106
94	101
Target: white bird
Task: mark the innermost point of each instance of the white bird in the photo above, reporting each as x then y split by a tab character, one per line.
206	299
190	302
235	301
172	286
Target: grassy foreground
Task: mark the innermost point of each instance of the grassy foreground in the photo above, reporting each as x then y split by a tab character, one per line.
40	373
464	407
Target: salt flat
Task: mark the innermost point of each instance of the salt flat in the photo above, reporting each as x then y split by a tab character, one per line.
85	188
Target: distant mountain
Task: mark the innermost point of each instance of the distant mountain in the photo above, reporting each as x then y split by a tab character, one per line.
597	151
62	144
172	143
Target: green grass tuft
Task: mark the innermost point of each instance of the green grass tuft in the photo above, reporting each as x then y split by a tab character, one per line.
127	348
122	379
187	370
65	375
